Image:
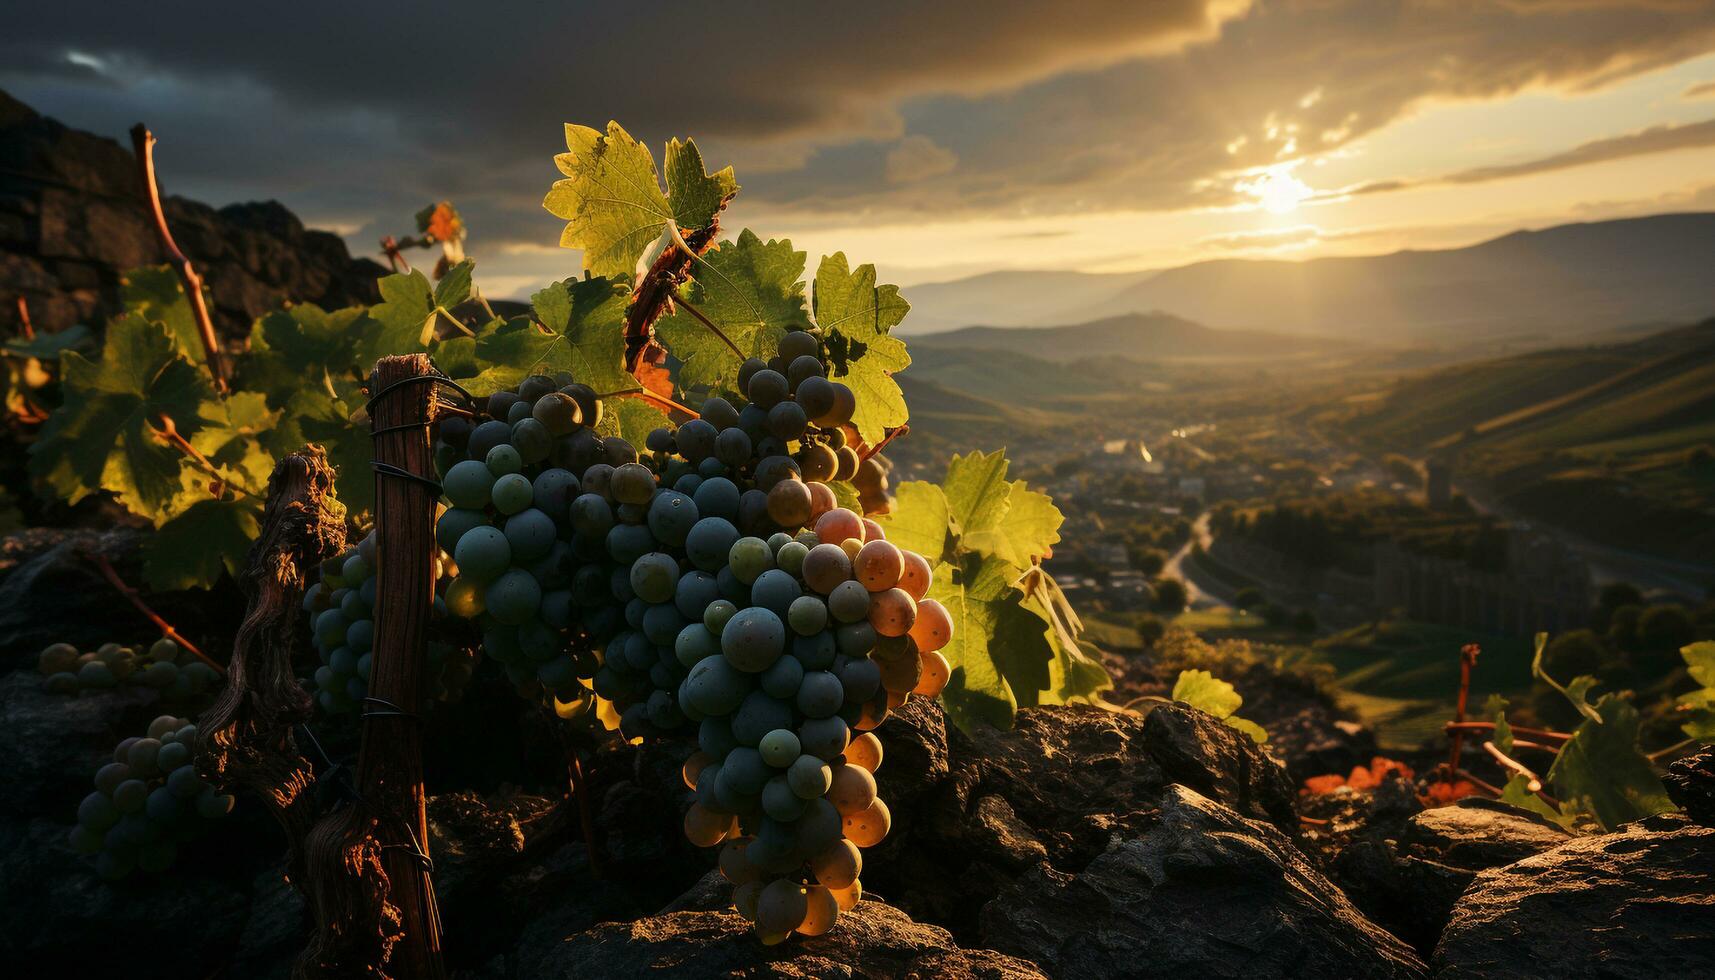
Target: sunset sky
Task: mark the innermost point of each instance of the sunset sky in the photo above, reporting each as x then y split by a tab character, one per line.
936	140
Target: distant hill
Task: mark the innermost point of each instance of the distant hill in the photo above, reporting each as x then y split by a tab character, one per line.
1136	336
1650	395
1556	283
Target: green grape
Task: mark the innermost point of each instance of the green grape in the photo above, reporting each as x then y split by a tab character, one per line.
654	577
530	534
109	776
710	542
790	557
96	675
464	597
633	483
820	694
468	484
849	602
749	558
715	687
779	748
512	493
504	460
130	795
513	597
809	777
779	802
807	615
753	639
97	812
757	715
482	554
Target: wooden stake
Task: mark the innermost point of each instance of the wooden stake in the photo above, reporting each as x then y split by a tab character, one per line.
390	765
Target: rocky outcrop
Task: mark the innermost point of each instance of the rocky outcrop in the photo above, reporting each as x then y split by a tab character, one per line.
1207	893
1690	783
1057	787
1639	903
73	221
874	941
1409	883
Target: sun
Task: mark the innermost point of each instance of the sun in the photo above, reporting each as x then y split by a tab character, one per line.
1276	190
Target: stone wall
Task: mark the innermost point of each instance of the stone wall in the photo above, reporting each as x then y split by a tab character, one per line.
72	221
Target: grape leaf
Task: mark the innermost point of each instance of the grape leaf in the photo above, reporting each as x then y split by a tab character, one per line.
585	319
978	498
192	549
104	437
856	316
846	495
1602	772
49	346
402	323
1204	691
975	594
454	287
1700	664
632	419
752	291
327	422
919	521
612	200
1030	528
1517	793
303	345
155	294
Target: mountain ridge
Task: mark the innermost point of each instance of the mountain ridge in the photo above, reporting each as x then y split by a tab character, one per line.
1562	281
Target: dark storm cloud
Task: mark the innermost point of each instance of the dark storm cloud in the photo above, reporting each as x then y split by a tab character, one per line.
358	113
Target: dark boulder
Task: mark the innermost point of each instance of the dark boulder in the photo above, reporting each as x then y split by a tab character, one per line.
873	941
1691	784
1207	893
1639	903
1057	787
1410	883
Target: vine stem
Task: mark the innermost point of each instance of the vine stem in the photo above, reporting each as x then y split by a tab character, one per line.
648	395
1512	765
1467	659
1456	773
580	792
1672	750
170	433
710	324
143	142
109	573
24	326
1489	726
878	447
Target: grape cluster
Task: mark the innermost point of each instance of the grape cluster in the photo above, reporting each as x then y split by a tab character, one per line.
148	802
788	685
165	666
515	537
341	607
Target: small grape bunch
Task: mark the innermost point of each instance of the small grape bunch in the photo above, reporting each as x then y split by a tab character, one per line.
148	803
341	609
165	666
530	573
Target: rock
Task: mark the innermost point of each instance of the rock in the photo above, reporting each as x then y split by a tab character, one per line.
914	751
62	739
1218	761
1633	904
1059	786
995	832
872	940
275	931
73	221
182	923
1207	893
1410	884
52	594
1691	784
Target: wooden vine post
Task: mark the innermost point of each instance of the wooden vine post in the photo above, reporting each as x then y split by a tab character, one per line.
390	763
